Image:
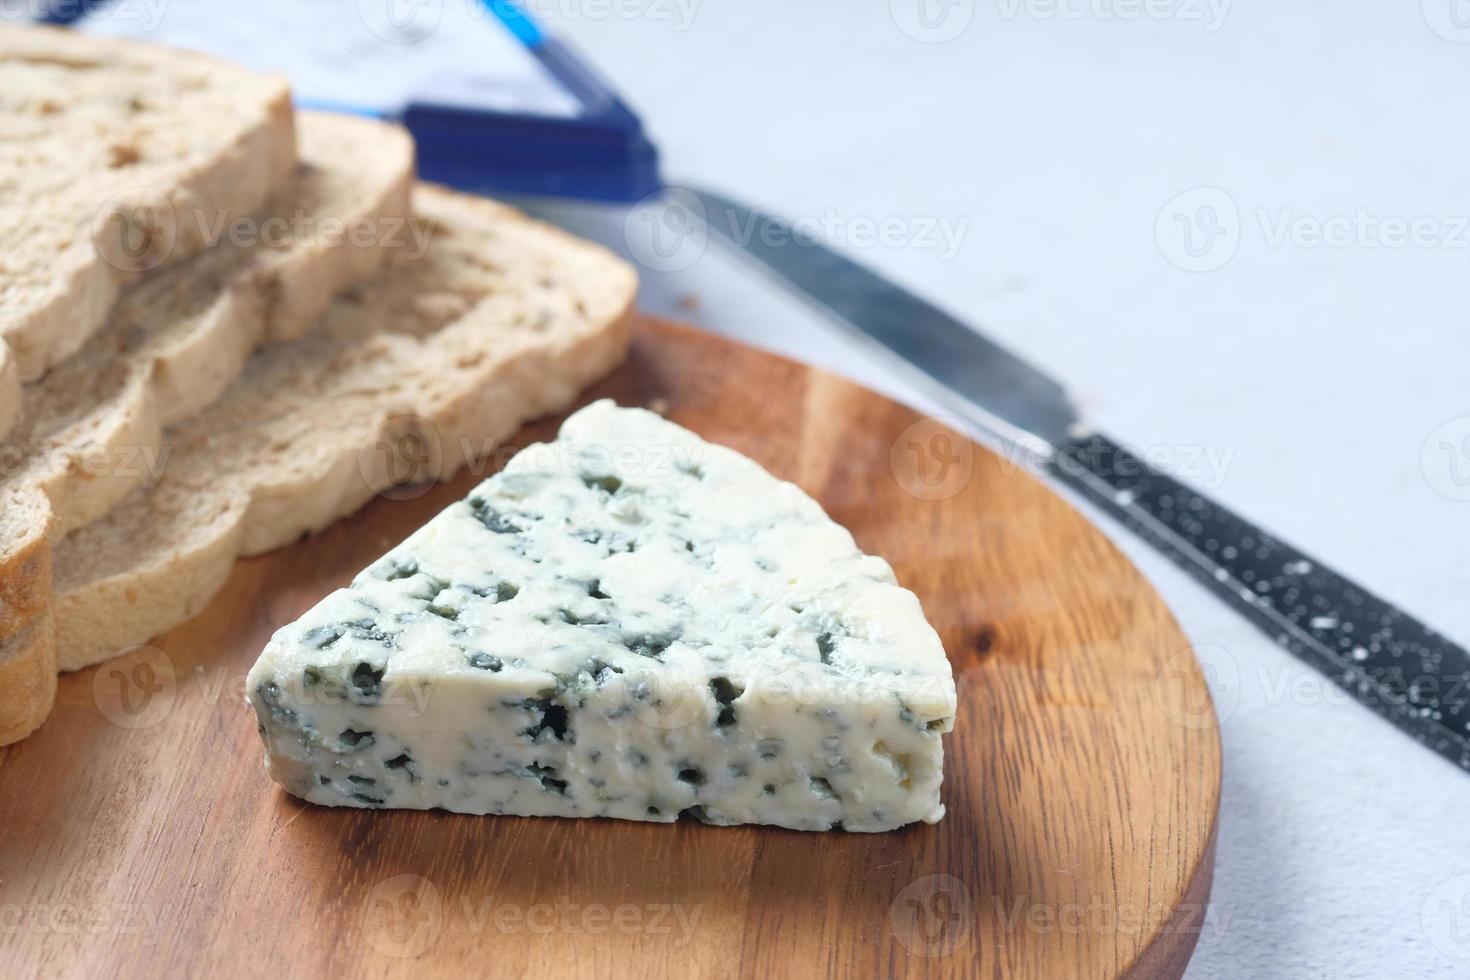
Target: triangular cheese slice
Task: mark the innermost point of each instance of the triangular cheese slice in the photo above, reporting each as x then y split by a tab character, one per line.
627	622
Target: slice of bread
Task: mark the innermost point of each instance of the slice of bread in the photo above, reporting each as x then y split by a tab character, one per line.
92	430
406	379
114	155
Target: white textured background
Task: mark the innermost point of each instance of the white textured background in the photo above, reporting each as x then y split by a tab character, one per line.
1322	388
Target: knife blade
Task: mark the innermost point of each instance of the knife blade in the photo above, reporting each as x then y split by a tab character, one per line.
1389	661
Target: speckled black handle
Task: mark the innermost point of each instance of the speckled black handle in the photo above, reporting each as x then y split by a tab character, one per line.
1386	659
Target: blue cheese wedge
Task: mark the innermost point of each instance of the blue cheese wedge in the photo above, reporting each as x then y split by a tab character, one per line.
627	622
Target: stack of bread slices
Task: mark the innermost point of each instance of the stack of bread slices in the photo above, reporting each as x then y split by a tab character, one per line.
224	324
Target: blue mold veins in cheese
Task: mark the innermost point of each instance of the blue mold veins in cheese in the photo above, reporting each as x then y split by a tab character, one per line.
627	622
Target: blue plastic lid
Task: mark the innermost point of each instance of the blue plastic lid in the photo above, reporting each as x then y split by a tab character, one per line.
598	152
565	133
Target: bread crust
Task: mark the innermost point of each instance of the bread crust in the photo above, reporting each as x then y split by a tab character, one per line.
10	395
27	678
26	563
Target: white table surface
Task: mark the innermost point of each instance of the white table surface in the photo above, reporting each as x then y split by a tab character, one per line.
1319	388
1308	367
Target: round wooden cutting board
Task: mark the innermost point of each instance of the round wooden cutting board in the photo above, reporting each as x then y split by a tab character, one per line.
140	836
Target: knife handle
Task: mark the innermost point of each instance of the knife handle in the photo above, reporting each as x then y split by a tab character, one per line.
1390	662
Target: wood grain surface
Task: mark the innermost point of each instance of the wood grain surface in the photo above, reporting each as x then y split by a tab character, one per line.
140	836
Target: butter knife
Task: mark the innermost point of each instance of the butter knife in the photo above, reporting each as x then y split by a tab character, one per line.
1386	659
